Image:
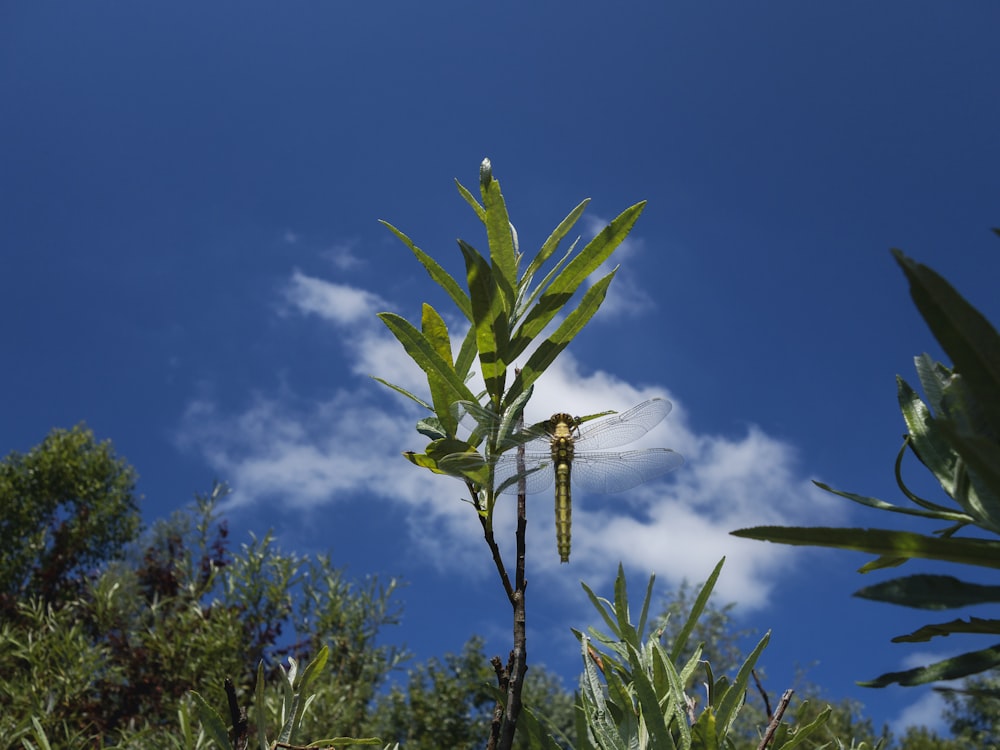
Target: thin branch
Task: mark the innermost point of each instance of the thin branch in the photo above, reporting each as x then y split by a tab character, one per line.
238	716
517	665
763	694
775	722
498	709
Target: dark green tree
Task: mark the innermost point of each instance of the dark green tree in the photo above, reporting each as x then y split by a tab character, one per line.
67	507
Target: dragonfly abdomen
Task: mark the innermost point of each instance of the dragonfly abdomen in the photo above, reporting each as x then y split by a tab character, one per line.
562	461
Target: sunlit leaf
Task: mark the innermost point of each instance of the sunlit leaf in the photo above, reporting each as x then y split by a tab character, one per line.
425	355
437	273
549	349
489	320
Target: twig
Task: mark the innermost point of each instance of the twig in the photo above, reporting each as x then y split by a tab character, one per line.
511	679
763	694
772	727
238	716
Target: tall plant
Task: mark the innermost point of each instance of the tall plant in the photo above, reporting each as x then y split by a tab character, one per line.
508	307
955	434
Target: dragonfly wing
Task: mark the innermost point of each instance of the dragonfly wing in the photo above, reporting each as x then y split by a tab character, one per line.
538	466
476	423
616	472
619	429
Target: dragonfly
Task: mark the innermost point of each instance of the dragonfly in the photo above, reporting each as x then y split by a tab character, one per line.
560	451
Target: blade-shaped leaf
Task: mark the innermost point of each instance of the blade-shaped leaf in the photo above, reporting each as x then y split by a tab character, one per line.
653	718
490	321
403	391
930	592
926	439
549	349
954	668
211	721
552	243
982	456
471	200
576	272
975	625
961	330
425	355
433	327
982	552
445	280
874	502
680	642
503	253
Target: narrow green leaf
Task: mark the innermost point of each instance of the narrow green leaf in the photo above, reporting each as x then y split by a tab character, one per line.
803	733
503	254
732	701
954	668
424	354
552	243
471	200
602	606
40	737
982	456
403	391
345	741
433	327
489	320
625	628
211	721
705	733
549	349
260	707
930	592
961	330
677	648
649	704
873	502
595	706
436	272
976	625
644	614
926	439
933	377
576	272
982	552
466	354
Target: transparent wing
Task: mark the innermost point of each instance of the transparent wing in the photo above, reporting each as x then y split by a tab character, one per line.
619	429
476	422
538	468
615	472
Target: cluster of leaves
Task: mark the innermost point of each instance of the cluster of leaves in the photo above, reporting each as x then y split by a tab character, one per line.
507	311
955	434
636	692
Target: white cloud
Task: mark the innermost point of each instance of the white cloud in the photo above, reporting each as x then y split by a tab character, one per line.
927	711
347	448
338	303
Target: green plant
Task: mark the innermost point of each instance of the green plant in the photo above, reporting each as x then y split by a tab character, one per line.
955	434
507	312
297	691
636	690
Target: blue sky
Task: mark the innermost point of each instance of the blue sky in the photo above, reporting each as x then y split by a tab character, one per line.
192	265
